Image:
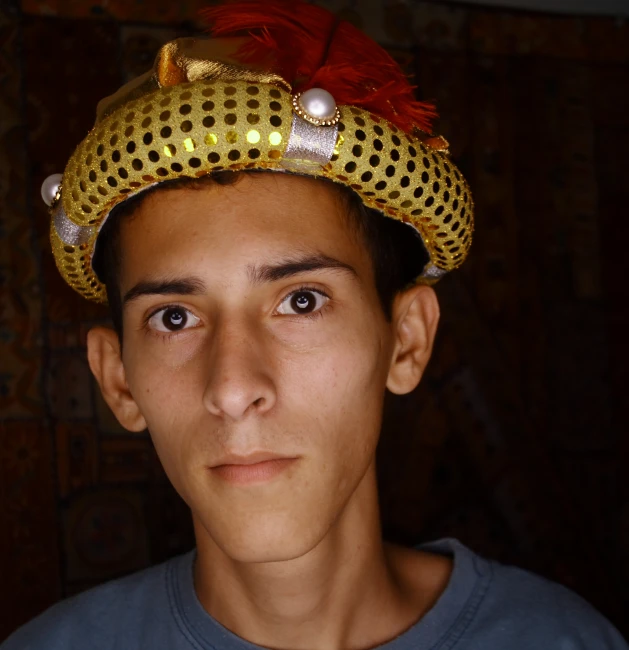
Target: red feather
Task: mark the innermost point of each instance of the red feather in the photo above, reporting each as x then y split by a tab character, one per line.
290	36
310	48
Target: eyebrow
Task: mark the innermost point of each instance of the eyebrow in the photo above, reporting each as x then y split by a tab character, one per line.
257	274
295	265
180	286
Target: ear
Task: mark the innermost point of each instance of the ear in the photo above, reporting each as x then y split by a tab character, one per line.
415	318
103	355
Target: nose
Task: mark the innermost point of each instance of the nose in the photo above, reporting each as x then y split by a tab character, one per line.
239	380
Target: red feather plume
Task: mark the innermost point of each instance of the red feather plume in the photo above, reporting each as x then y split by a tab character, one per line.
310	48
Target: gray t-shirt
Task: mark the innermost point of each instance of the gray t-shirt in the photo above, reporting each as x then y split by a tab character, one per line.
486	606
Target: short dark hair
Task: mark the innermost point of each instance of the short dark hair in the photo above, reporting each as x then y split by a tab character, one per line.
397	253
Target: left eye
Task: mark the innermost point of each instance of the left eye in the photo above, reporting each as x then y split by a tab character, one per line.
304	301
172	319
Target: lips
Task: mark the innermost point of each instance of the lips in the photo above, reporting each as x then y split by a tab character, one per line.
256	468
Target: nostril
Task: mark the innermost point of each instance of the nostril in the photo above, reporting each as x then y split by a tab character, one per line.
240	394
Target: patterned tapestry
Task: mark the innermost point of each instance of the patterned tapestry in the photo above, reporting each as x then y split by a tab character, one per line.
515	440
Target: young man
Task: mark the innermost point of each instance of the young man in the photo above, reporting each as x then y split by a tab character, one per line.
259	318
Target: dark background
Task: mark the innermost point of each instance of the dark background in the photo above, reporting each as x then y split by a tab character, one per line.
515	441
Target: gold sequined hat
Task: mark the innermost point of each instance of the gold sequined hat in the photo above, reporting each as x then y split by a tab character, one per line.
302	92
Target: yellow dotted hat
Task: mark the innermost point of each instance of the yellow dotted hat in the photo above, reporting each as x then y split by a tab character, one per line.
249	103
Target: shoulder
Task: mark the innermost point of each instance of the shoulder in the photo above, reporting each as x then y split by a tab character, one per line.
502	606
94	618
534	610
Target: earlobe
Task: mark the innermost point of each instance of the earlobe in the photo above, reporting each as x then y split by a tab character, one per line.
103	355
415	319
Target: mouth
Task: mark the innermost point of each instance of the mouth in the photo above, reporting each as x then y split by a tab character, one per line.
246	470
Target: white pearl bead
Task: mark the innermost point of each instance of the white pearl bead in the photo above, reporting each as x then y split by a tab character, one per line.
318	103
50	187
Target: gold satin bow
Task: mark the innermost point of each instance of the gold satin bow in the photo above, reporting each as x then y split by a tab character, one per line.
189	59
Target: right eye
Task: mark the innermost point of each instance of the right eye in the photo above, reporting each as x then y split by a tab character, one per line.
304	301
173	319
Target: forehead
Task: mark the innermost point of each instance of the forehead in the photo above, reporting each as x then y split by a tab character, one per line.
259	215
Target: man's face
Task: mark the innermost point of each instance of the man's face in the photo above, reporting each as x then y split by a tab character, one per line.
254	326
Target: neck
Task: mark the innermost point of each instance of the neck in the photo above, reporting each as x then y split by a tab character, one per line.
346	592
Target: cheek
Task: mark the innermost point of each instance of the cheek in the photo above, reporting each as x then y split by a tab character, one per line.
339	390
155	391
161	372
167	395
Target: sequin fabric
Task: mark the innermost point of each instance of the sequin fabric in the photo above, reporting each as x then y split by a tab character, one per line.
199	127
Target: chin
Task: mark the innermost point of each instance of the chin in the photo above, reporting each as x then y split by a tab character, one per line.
266	537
